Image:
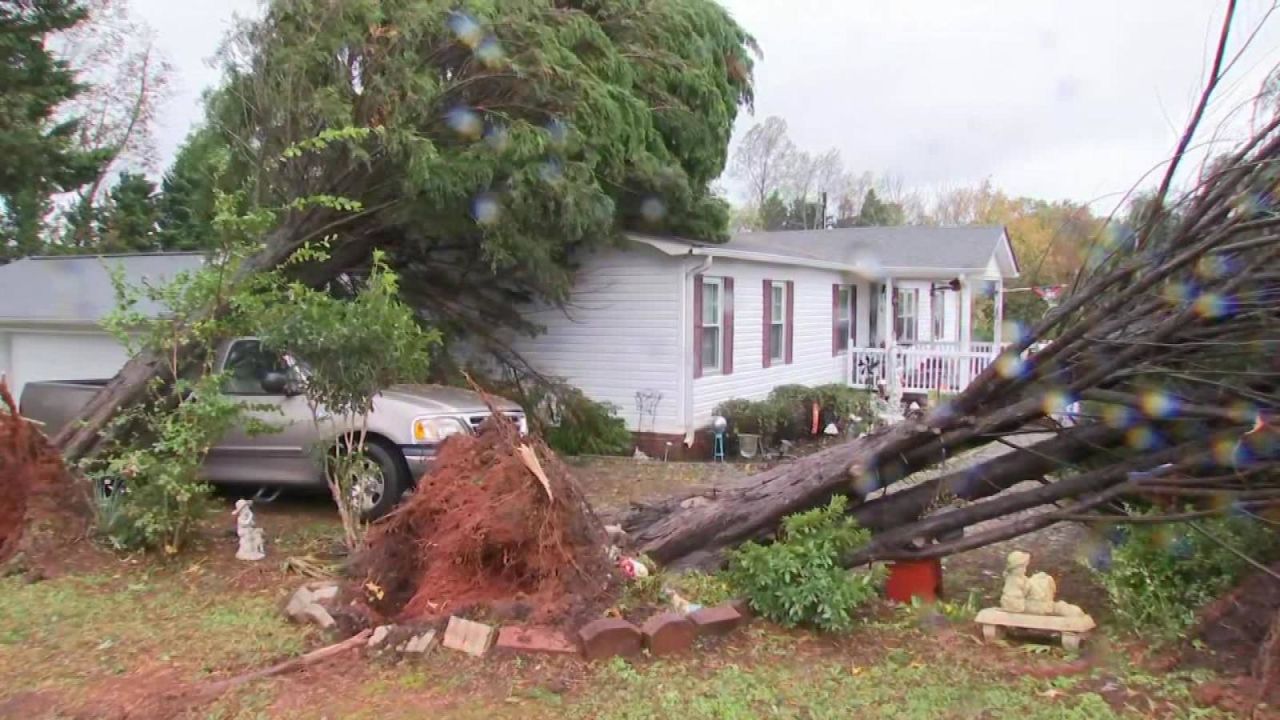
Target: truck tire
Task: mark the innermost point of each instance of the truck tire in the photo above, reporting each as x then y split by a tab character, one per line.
379	492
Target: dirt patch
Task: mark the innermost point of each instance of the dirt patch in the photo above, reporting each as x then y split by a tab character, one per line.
483	535
1239	634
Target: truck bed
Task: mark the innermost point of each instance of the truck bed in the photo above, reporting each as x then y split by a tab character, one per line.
56	402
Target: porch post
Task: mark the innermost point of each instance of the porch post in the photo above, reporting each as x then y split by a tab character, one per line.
964	323
890	333
998	330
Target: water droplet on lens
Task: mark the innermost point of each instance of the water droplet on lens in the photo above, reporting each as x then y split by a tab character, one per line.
653	210
486	208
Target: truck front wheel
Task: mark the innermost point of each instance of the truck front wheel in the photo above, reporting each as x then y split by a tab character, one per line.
377	479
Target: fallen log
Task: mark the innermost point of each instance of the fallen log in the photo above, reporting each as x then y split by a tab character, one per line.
694	531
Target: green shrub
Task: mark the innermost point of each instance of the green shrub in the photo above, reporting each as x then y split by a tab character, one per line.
587	427
1159	576
787	414
799	579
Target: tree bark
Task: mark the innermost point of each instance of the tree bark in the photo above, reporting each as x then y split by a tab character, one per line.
693	532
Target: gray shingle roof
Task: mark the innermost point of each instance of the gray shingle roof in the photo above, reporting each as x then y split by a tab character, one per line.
77	289
915	247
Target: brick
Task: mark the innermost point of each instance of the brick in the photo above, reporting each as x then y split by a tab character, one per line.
668	633
610	637
743	606
472	638
536	640
718	620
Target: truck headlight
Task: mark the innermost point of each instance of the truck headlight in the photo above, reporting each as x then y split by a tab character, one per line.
436	429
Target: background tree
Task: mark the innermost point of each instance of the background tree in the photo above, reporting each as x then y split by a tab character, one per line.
125	221
875	212
37	142
765	160
125	81
774	214
188	197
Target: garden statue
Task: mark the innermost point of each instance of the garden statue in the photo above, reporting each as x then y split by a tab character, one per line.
1032	595
888	406
1014	596
1028	603
251	541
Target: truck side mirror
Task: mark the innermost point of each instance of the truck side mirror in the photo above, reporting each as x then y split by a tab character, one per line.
276	383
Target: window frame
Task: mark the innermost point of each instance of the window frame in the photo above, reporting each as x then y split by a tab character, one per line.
907	320
777	321
938	316
717	325
259	352
844	319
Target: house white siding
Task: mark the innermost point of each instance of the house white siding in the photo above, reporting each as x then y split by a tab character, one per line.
6	363
813	363
30	356
620	336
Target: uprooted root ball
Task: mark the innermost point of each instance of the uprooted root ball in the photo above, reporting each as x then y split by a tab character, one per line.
484	534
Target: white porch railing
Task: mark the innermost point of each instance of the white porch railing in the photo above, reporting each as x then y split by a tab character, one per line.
943	367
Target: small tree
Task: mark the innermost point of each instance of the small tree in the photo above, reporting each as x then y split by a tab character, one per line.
154	465
352	348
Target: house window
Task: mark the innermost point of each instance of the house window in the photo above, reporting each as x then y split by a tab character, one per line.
777	322
939	314
844	318
906	315
712	329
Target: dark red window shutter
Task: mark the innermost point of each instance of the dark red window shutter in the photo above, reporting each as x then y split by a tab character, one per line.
853	316
791	320
697	326
768	318
727	324
835	320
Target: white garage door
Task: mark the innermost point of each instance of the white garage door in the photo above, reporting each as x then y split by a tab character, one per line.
34	357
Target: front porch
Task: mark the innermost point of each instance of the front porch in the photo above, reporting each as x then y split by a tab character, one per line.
923	330
922	368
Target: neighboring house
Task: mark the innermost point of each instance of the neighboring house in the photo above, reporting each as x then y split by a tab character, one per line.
51	312
667	329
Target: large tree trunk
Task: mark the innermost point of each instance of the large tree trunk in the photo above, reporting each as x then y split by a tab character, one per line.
693	532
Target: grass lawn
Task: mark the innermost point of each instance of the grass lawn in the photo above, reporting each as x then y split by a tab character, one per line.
113	637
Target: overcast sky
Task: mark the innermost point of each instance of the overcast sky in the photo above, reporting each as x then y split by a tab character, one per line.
1055	99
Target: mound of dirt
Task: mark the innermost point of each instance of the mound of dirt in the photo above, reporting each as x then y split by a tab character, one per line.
485	535
1240	633
29	469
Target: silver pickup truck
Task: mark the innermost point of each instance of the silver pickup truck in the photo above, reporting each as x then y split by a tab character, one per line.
407	425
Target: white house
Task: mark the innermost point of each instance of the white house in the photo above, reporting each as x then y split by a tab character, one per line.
663	328
667	329
51	310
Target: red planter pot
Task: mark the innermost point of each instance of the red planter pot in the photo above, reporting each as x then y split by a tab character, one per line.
914	579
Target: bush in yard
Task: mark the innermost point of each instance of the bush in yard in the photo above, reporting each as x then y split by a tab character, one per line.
1159	576
586	427
352	348
153	465
798	579
787	413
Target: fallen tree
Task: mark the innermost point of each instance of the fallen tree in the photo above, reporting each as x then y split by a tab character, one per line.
479	151
1168	337
1169	340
